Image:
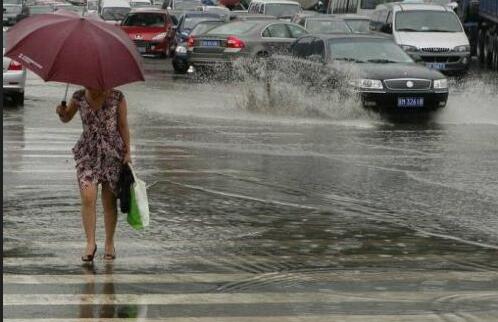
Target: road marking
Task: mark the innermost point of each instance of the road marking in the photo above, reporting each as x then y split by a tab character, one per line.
340	276
315	298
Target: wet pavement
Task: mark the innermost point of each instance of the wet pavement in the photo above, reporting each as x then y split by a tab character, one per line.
311	210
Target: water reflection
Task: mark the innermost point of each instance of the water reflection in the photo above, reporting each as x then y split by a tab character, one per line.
101	299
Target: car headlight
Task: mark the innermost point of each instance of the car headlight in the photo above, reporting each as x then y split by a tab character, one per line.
409	48
462	49
368	83
159	36
441	83
181	49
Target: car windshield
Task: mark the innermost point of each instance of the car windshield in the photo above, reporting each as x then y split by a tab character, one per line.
144	20
17	2
358	25
191	22
427	21
34	10
281	9
234	28
114	13
367	51
319	26
204	27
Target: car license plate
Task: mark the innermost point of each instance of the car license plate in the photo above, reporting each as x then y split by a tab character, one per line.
410	101
210	43
439	66
141	50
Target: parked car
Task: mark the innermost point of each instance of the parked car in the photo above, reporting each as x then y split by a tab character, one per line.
282	9
140	3
244	38
188	20
324	24
14	11
180	58
386	78
357	23
114	11
14	76
432	32
151	29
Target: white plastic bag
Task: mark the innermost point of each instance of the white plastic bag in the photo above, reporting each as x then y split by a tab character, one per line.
138	217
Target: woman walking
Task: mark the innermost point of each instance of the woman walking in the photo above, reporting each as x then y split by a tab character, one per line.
101	151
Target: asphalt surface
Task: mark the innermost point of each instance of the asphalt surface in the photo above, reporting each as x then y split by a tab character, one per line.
292	207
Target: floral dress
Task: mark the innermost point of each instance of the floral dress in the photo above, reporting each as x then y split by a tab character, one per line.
100	150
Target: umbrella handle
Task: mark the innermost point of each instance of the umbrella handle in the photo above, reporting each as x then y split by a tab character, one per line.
64	102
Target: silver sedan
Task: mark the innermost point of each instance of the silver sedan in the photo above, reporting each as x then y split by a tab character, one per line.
245	38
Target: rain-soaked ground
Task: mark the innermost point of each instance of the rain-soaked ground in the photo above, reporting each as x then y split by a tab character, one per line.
309	210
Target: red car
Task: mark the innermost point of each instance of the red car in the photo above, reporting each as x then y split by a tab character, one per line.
151	29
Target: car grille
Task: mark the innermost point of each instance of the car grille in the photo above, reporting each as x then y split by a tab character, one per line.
142	43
440	59
402	84
435	49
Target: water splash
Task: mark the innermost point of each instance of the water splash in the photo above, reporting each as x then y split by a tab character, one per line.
472	100
287	86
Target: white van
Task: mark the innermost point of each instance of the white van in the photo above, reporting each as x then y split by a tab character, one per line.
360	7
113	11
432	33
283	9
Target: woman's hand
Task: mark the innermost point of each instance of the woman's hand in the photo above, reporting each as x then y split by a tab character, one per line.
127	158
67	112
60	110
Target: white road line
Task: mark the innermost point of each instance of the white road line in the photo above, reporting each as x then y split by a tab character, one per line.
240	298
124	278
340	276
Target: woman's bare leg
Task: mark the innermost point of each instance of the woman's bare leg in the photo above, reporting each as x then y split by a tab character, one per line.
110	217
88	194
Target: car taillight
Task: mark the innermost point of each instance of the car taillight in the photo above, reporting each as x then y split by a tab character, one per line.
190	41
234	42
15	65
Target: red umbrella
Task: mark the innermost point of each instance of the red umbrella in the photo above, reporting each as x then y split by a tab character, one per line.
65	47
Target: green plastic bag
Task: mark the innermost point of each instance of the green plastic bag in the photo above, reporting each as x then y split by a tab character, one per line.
138	217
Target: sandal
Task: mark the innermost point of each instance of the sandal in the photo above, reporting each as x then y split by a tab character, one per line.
89	258
110	256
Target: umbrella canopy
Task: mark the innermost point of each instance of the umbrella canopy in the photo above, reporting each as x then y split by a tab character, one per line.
65	47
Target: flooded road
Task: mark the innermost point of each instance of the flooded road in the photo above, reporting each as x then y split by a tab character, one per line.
261	214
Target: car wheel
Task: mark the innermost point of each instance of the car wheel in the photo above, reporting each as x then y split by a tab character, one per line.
19	98
480	47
